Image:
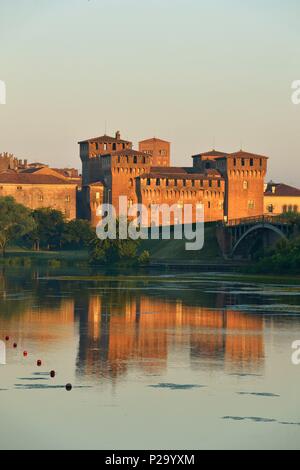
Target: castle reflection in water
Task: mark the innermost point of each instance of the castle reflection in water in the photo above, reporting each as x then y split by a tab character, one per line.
121	327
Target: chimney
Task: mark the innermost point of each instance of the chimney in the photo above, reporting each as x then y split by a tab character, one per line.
118	135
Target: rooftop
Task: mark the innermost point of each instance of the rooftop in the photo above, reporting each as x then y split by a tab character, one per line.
281	189
181	173
154	139
13	177
106	139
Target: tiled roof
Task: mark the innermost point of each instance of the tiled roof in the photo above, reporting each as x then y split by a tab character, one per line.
126	152
180	173
105	138
154	139
13	177
212	153
242	154
282	190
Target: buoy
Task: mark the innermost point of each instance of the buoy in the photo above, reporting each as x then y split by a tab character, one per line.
6	338
15	345
69	387
25	353
52	374
39	363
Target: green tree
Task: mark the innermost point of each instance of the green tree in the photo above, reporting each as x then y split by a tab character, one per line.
15	221
114	251
77	234
49	228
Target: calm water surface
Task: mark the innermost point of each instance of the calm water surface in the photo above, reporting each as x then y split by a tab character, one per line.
178	362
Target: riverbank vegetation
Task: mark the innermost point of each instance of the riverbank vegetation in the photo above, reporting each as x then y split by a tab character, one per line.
284	257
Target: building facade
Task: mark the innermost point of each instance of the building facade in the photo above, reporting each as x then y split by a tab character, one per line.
280	198
40	189
228	185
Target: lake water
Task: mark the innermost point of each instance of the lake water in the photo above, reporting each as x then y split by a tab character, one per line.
184	361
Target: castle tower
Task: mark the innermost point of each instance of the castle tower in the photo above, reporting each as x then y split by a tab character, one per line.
245	176
91	152
159	150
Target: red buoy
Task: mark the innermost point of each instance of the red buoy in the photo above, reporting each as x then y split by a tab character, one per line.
15	345
25	353
52	374
69	387
39	363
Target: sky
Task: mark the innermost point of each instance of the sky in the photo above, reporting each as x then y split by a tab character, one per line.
199	73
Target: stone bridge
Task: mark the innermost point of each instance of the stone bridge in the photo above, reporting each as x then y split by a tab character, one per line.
238	238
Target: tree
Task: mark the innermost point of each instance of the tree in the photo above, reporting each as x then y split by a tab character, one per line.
49	228
77	234
115	251
15	221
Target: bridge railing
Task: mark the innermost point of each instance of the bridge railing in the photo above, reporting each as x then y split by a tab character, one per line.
263	219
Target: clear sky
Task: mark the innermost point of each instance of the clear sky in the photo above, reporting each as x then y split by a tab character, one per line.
193	72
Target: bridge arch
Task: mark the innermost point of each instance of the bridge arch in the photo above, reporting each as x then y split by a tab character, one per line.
255	228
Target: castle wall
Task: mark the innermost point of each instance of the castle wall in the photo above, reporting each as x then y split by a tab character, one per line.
180	191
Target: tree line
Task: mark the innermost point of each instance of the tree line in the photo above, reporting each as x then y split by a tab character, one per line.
47	229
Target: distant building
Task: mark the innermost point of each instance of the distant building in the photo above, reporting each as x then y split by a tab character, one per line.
37	188
229	185
280	198
8	161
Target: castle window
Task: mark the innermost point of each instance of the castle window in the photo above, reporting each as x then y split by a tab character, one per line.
105	146
210	183
167	182
261	162
148	181
157	182
270	208
135	160
175	182
243	162
234	162
201	183
245	184
41	198
251	204
251	162
209	204
184	182
219	183
193	183
68	199
19	188
114	147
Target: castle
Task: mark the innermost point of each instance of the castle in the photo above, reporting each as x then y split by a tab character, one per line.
229	185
